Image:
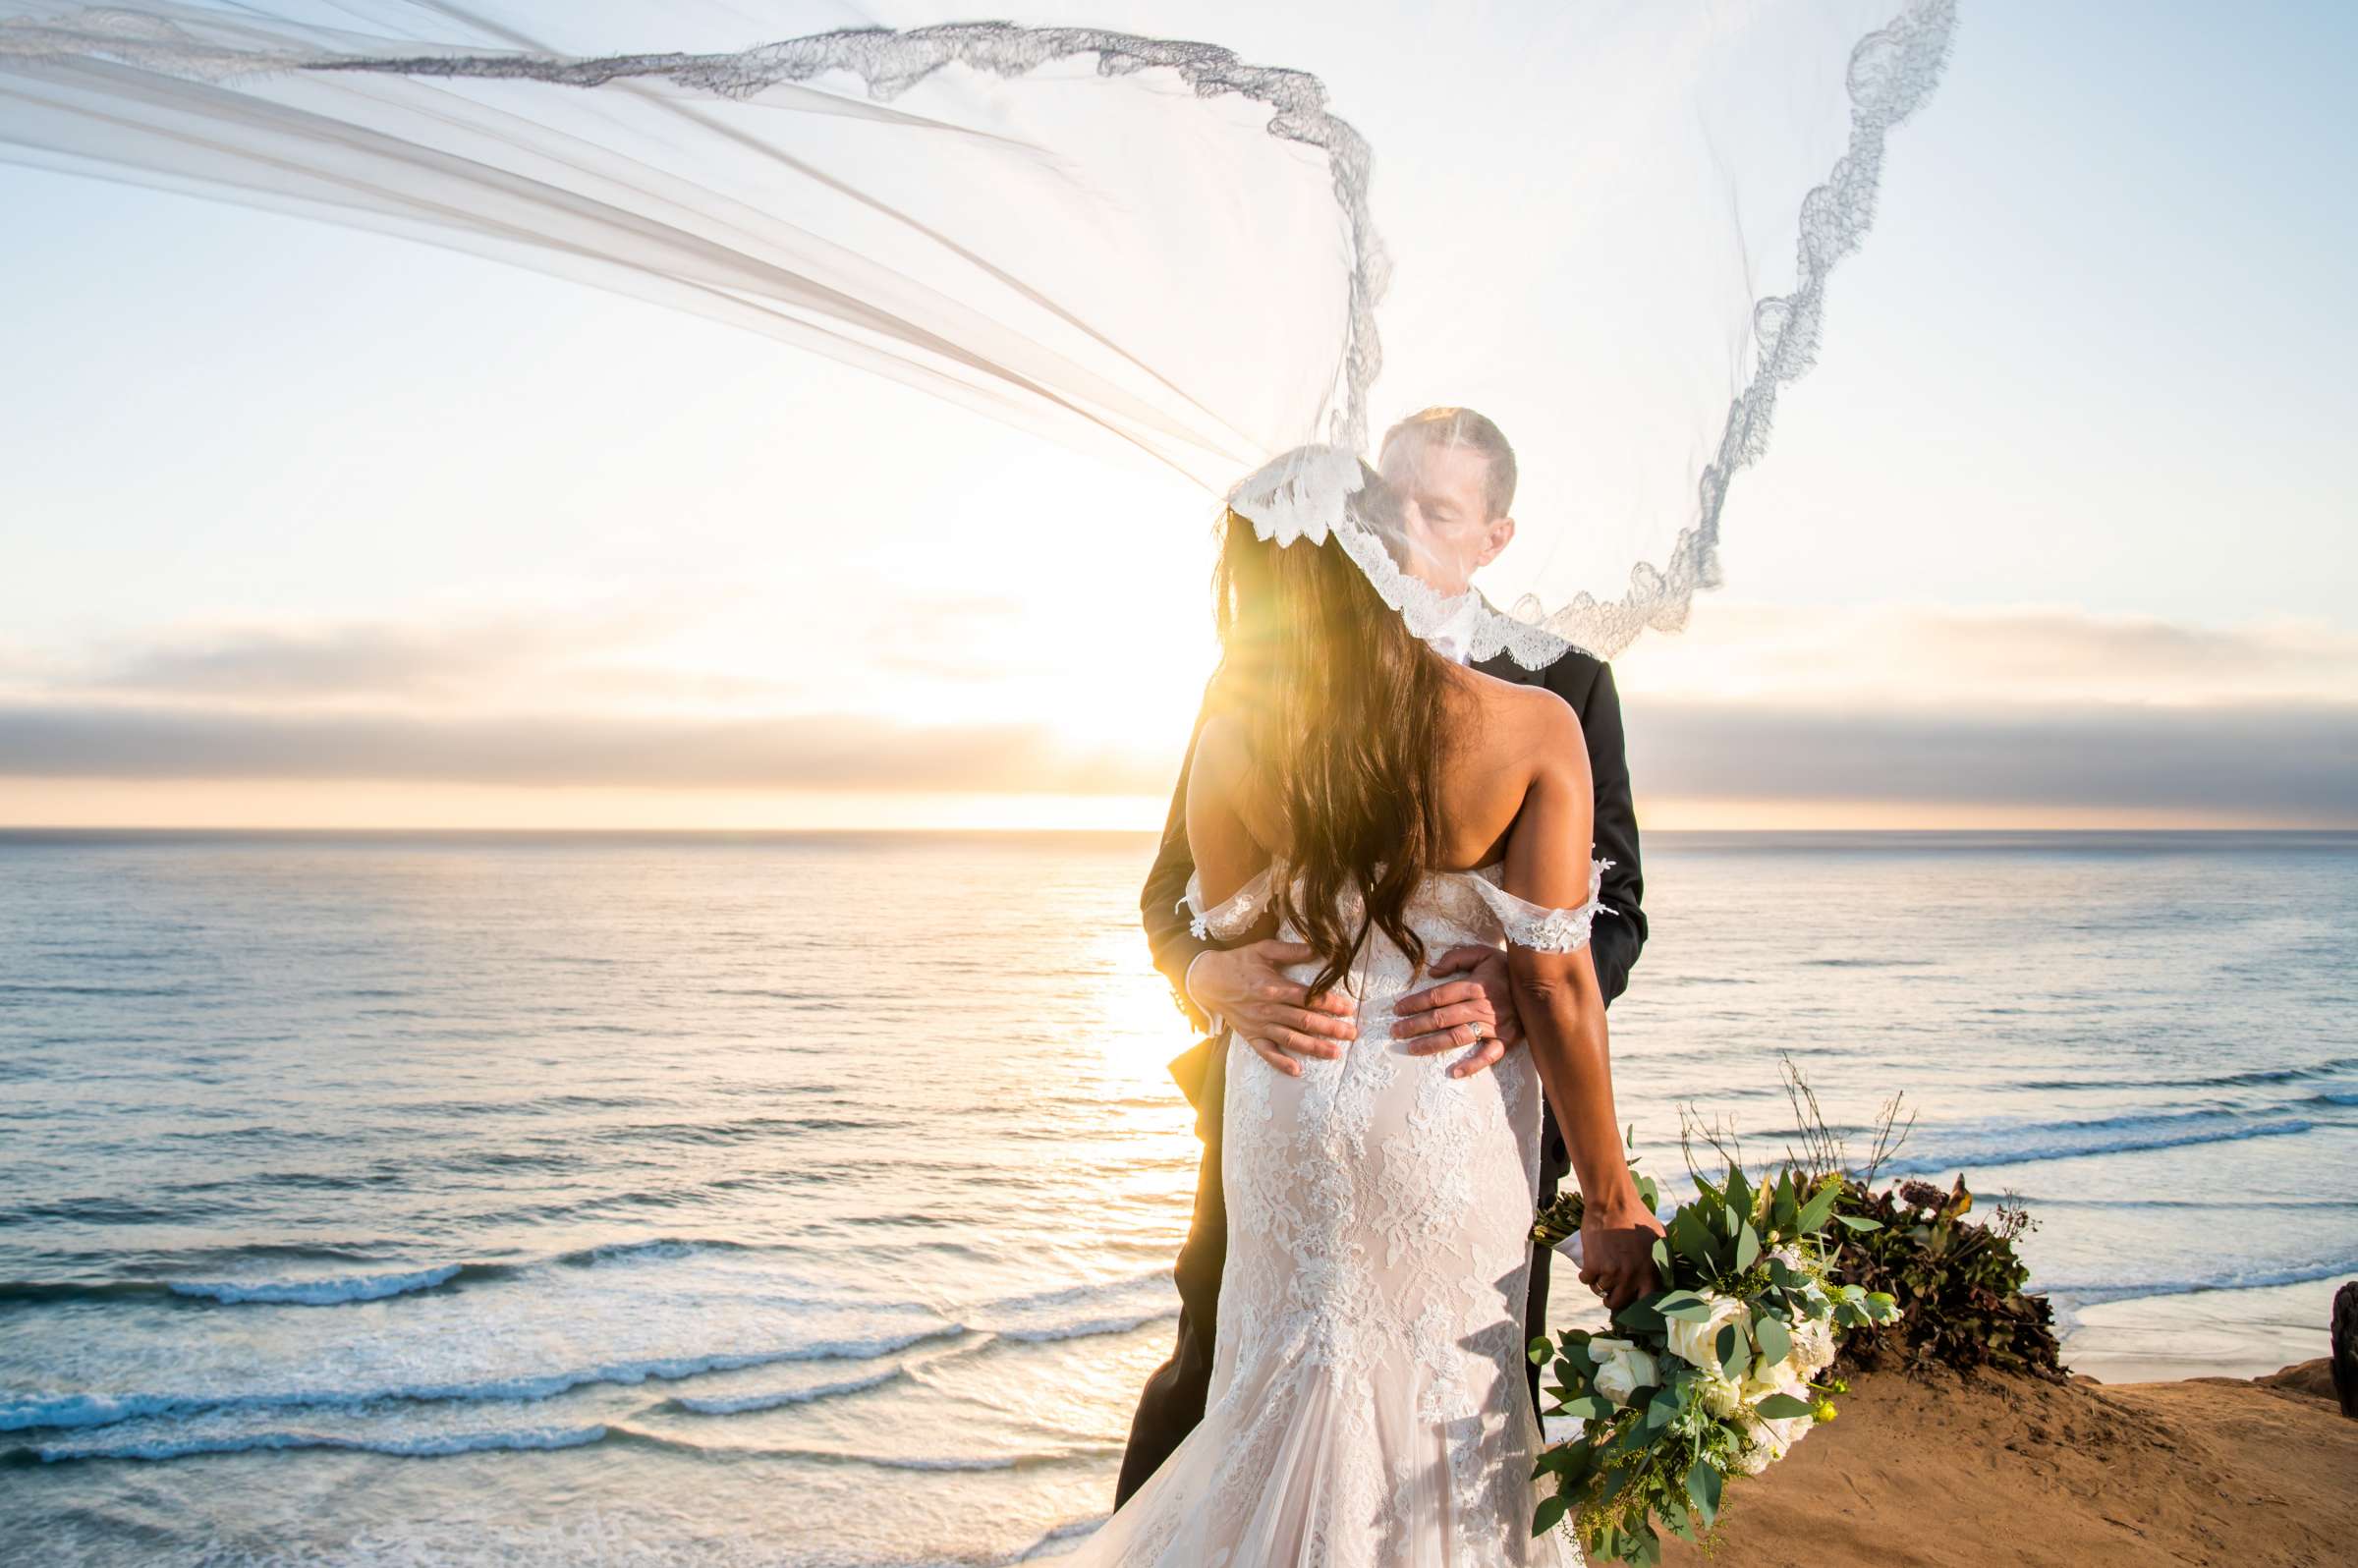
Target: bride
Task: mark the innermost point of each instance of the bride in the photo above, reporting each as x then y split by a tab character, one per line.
1356	792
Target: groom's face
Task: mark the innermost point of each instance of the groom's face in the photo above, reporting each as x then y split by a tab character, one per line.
1445	495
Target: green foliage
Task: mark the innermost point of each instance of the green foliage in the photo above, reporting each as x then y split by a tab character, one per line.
1896	1275
1654	1457
1958	1284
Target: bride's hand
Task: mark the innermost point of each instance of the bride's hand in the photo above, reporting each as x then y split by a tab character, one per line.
1616	1249
1477	1011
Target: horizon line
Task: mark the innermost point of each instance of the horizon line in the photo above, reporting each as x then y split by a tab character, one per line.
11	830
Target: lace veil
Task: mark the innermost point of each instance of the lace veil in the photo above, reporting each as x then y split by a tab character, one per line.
1607	225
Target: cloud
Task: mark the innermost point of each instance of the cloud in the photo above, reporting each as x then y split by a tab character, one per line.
2291	763
2029	709
451	662
369	659
805	752
2019	658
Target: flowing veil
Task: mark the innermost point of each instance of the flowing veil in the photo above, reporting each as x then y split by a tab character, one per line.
1231	241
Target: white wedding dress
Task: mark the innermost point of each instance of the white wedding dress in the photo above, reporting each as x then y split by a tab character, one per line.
1367	1403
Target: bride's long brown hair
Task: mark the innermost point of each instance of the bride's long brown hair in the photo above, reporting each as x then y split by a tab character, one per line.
1344	709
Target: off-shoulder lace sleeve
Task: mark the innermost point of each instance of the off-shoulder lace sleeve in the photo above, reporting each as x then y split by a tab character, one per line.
1546	931
1233	916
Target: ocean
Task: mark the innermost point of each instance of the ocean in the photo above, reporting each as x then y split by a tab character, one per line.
799	1200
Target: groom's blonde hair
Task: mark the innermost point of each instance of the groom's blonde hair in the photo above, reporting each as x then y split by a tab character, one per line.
1444	426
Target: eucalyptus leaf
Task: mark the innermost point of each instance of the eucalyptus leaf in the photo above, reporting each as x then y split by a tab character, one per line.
1771	1336
1549	1514
1639	1317
1816	1210
1860	1222
1694	1241
1781	1407
1748	1248
1703	1488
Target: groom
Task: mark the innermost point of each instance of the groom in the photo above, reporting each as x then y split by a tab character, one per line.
1455	469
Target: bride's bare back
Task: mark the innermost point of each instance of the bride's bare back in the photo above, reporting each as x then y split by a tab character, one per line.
1514	785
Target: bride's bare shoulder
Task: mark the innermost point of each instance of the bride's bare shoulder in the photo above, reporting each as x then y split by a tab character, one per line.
1514	718
1223	750
1222	777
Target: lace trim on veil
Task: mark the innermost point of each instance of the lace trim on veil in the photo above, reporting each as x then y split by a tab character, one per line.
1891	74
1306	494
1892	71
224	47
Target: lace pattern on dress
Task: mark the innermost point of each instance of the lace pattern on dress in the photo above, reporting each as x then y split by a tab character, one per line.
1543	929
1234	915
1366	1406
1521	922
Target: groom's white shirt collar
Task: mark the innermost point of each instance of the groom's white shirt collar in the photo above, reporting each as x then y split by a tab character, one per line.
1454	639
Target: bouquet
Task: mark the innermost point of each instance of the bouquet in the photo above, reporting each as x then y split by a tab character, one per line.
1717	1373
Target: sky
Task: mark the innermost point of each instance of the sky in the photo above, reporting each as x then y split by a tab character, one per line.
305	526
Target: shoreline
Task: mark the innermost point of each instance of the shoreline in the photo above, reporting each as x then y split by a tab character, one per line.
2237	1332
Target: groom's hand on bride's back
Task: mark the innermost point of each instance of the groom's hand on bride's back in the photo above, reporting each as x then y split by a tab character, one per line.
1247	987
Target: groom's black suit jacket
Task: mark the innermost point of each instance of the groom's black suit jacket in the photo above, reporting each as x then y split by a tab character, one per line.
1173	1401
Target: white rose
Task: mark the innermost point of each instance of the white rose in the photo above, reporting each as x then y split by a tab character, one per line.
1785	1433
1768	1442
1764	1377
1622	1369
1693	1341
1813	1346
1721	1395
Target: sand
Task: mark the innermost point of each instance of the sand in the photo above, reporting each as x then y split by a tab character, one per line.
2008	1469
